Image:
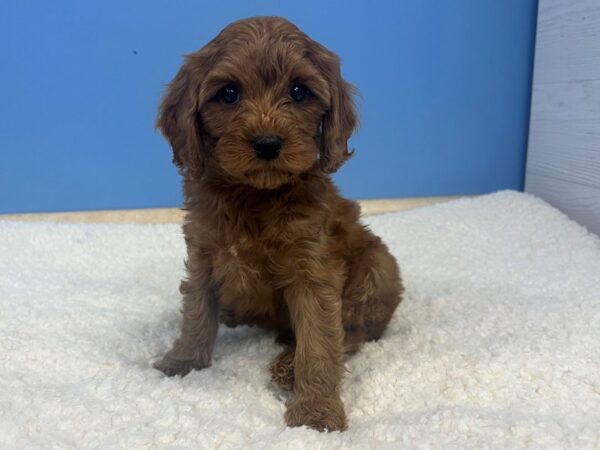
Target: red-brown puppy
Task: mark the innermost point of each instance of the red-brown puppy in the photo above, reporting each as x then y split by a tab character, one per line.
257	120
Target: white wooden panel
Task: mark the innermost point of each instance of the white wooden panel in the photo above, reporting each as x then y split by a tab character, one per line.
573	106
567	155
569	42
580	202
563	160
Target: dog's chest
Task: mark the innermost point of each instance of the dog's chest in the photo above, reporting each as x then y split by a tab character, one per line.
244	256
256	245
263	249
247	273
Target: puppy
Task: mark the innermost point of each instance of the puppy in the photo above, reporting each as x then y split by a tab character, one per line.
257	120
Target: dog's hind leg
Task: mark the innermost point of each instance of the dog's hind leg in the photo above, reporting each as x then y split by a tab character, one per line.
282	369
372	292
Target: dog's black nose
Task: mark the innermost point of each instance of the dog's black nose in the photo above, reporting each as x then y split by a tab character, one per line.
267	146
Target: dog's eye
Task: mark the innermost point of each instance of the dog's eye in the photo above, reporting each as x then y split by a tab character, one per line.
298	92
229	95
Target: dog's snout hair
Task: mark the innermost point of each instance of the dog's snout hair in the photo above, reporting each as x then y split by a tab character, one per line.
257	120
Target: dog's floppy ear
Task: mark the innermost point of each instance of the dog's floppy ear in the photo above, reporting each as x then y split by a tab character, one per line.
179	118
341	119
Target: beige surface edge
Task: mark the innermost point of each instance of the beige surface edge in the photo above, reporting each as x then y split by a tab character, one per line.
174	215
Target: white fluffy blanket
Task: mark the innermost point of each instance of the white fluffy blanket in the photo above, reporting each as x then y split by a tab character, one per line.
497	343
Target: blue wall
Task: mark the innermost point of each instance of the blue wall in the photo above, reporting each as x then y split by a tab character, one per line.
445	94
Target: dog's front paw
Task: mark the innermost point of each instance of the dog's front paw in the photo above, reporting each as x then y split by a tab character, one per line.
173	366
323	414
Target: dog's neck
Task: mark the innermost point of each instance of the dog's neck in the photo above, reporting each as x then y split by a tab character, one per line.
212	195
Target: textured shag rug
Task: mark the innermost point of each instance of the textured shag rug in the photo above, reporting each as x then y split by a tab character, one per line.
497	343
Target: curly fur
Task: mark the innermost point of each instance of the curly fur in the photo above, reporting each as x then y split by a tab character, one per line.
272	243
